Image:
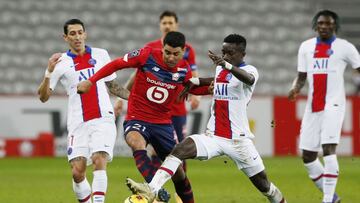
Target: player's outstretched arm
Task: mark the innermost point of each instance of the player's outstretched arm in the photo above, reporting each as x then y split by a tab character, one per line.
298	84
117	90
240	74
44	90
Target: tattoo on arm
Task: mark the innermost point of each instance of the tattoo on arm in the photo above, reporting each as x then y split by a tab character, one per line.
117	90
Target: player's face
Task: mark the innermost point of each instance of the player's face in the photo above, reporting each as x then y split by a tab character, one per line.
325	27
232	53
168	24
172	55
76	37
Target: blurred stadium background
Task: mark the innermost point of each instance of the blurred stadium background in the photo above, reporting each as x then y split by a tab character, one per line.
31	30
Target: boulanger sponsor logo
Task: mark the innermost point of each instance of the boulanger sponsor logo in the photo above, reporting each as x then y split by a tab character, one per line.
162	84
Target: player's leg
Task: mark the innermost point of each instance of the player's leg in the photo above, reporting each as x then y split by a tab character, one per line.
247	159
330	137
191	147
100	179
103	136
78	154
135	134
310	145
81	185
164	144
179	123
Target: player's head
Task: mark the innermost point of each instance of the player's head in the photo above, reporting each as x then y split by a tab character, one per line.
168	21
75	35
173	48
233	49
326	23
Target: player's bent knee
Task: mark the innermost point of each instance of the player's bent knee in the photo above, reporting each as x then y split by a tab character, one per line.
261	181
185	150
135	141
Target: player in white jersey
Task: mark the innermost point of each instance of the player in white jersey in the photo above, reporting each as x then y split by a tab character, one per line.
228	131
91	121
322	61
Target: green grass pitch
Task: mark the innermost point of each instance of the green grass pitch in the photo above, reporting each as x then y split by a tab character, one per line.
48	180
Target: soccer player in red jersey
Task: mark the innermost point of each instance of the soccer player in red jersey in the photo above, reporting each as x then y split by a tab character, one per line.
160	76
169	22
322	61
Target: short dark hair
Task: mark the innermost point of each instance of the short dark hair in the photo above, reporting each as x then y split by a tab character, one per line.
72	22
236	39
168	13
174	39
329	13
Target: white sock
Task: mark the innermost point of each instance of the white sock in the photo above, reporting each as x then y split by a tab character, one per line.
165	172
99	186
82	191
316	171
330	177
274	195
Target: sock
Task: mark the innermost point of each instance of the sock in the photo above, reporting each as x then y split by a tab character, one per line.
316	171
82	191
183	189
274	195
143	164
155	161
99	186
330	177
165	172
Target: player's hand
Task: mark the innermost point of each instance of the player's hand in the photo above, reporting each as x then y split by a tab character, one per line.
219	61
194	102
184	93
84	87
53	60
293	93
118	107
211	88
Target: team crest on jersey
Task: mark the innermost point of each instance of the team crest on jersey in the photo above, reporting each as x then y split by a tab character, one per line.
134	53
175	76
92	61
156	69
228	77
329	52
69	151
182	69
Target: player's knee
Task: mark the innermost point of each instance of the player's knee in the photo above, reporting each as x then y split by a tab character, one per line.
78	174
329	149
99	160
135	141
308	157
185	149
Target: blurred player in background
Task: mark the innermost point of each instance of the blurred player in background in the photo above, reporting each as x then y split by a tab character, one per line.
91	124
160	76
322	60
228	131
169	22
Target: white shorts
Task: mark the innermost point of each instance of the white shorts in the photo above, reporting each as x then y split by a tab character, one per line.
241	151
321	128
92	136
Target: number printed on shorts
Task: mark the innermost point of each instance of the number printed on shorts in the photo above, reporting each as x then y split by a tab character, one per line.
157	94
138	127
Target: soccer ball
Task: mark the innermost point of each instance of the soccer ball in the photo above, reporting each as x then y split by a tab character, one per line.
135	199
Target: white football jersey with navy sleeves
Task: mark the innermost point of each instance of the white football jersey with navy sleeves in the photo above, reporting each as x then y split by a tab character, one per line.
73	69
229	107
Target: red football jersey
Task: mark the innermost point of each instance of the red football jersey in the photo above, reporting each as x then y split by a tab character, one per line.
156	85
178	109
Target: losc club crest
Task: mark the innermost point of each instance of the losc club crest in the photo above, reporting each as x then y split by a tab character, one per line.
92	61
175	76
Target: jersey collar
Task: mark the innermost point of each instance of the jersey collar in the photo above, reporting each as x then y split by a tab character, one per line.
72	55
